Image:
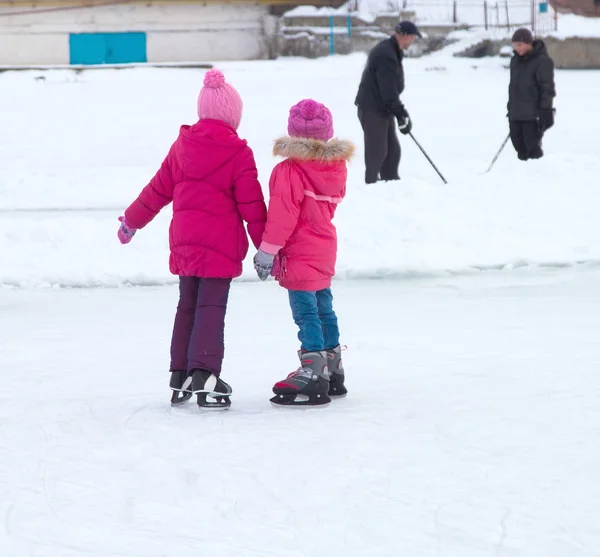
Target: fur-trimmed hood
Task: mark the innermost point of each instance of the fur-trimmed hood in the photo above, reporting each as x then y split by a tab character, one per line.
307	149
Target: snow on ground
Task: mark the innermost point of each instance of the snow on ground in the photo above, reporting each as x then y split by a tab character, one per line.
473	409
77	149
469	430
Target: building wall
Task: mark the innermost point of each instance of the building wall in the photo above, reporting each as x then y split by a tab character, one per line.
588	8
174	33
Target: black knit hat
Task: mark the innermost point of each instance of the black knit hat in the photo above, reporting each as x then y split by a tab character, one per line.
523	35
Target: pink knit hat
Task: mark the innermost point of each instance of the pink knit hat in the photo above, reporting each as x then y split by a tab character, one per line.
310	119
218	100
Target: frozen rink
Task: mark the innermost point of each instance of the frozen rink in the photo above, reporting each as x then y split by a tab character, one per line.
471	313
470	429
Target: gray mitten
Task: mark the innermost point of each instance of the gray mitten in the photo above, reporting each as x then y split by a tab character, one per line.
263	263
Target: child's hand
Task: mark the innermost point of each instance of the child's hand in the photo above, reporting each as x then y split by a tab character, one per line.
263	263
125	233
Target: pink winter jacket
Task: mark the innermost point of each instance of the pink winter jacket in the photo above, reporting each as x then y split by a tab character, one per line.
210	175
305	190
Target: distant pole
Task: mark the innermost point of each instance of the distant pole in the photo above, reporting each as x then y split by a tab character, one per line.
485	14
507	16
455	11
331	36
532	16
555	20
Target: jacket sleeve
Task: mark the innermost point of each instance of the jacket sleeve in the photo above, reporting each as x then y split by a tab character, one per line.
249	197
545	79
286	196
385	73
157	194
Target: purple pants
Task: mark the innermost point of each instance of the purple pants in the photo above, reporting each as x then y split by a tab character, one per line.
199	327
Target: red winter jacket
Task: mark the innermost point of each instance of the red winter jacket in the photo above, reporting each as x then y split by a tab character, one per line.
210	175
305	192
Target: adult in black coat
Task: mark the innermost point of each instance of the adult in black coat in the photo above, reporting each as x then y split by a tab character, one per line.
530	94
379	105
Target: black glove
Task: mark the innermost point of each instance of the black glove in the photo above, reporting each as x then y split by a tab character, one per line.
405	125
546	119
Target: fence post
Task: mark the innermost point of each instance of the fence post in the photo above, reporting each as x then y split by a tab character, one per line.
555	20
349	23
485	14
455	11
331	36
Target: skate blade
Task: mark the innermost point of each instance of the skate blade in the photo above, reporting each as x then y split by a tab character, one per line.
221	402
344	395
299	401
179	397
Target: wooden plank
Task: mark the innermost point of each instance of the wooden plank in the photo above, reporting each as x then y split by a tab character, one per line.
44	4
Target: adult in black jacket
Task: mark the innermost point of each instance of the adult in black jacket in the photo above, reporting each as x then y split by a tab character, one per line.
379	105
530	94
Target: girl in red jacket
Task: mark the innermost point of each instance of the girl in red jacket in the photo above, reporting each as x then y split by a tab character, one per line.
211	178
300	244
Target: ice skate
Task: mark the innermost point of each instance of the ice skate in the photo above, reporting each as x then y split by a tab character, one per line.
307	386
181	385
206	384
336	373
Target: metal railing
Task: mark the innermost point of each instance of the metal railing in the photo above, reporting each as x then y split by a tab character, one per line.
538	15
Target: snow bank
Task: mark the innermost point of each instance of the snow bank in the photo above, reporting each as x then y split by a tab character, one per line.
570	25
72	165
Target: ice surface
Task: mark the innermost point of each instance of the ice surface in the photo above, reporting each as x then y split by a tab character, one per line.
469	430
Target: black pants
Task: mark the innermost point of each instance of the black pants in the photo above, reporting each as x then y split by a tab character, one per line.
526	139
382	149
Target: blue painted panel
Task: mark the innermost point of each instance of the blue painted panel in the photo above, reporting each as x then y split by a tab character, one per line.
87	48
107	48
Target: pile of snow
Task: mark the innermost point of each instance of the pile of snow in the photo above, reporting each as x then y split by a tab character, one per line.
570	25
78	149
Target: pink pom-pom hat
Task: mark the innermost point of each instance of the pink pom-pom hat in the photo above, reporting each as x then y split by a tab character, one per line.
310	119
218	100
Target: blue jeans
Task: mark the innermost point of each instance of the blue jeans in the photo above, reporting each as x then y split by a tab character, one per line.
314	315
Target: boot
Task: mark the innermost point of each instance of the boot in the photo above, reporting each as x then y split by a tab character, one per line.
180	383
207	384
336	372
308	385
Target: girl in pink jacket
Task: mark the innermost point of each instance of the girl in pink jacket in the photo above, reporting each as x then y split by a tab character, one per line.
211	178
299	247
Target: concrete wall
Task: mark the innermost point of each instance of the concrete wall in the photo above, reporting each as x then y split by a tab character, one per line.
175	33
574	52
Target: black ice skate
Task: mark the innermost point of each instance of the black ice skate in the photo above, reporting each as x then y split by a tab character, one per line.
206	384
336	373
181	385
308	386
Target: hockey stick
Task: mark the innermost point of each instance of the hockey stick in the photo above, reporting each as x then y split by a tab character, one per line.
427	157
498	153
